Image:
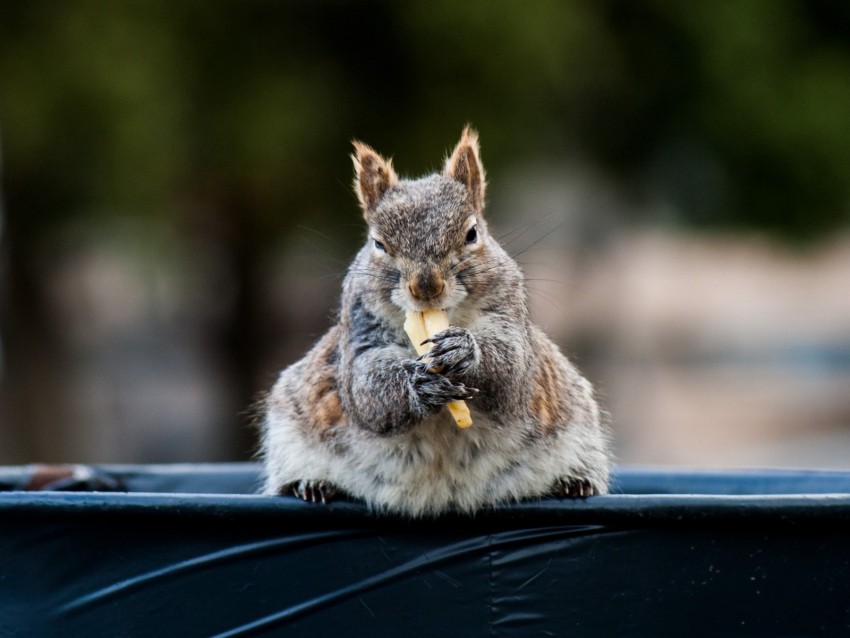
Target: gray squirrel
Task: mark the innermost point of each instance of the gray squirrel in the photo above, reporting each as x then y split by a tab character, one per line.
361	415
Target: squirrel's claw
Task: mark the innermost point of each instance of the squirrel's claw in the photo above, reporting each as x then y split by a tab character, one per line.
439	390
454	352
433	388
311	491
570	487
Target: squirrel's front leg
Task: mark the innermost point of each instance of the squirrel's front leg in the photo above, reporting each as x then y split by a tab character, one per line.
433	388
493	358
453	353
389	393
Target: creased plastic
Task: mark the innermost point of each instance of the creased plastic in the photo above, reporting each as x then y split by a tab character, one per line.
731	554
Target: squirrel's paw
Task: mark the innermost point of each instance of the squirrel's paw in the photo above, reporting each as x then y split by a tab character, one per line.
311	491
570	487
454	351
435	389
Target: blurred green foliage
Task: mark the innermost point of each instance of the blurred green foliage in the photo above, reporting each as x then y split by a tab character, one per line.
211	129
735	113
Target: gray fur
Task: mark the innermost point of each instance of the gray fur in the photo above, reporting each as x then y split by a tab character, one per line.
362	415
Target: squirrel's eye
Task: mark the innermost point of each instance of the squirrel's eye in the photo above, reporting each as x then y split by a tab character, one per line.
380	246
472	235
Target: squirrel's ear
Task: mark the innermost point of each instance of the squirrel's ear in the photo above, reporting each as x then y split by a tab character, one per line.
373	176
464	165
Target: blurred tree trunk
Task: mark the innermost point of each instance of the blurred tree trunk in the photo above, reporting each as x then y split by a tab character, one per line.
241	338
33	405
229	221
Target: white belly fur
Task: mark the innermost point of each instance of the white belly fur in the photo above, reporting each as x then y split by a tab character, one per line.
432	468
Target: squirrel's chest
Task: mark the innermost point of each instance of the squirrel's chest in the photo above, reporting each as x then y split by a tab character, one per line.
438	451
438	465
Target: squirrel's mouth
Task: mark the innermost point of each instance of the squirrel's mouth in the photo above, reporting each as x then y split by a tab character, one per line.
406	301
434	291
426	290
450	300
422	306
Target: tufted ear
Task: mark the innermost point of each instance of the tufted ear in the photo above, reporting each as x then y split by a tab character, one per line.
464	166
373	176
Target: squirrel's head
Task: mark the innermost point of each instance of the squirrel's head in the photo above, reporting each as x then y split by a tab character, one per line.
428	239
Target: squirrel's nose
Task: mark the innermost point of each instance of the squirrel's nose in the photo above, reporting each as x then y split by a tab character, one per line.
424	287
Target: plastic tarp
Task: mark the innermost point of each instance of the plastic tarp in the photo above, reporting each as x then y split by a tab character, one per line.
191	551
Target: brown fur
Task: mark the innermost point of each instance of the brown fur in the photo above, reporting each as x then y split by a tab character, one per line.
327	411
464	165
546	399
322	396
373	175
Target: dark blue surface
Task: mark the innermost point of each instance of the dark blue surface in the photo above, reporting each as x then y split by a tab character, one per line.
670	554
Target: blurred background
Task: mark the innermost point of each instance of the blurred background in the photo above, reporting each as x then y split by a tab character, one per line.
177	213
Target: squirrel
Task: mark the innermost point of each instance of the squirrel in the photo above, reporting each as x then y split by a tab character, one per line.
362	416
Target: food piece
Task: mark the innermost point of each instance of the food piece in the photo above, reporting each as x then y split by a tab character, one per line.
420	326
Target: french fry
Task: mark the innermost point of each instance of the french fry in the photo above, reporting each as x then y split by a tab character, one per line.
420	326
